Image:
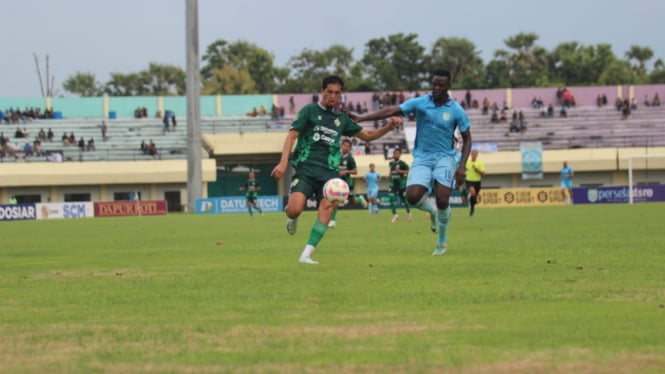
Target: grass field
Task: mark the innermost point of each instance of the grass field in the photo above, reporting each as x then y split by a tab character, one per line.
571	289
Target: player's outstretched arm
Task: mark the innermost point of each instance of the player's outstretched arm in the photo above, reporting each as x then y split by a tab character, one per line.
369	135
379	114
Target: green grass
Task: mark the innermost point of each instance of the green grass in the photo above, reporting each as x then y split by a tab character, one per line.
553	290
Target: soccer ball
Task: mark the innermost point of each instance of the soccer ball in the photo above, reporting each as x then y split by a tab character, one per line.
336	190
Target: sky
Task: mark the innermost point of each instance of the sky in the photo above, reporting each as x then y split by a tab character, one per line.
124	36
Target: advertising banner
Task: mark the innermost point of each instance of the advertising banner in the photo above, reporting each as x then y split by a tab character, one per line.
18	212
130	208
520	197
65	210
617	194
237	204
532	160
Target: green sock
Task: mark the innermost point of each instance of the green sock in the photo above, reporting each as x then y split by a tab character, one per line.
318	230
393	206
249	209
444	219
259	209
334	215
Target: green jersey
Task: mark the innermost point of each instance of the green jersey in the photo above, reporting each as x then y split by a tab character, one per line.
397	179
320	131
251	188
348	163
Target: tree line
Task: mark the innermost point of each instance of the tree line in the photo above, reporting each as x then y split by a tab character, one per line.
393	63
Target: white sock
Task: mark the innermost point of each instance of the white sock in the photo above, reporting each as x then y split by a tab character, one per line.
307	252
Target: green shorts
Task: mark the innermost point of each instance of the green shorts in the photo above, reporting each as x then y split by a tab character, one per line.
309	180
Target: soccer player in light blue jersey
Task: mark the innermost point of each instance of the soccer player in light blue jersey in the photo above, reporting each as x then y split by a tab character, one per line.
567	175
437	117
372	179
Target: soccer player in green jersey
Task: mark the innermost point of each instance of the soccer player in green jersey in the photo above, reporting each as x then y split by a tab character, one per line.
318	128
347	169
251	189
398	172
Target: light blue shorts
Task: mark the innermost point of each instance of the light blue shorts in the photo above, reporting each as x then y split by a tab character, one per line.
567	184
425	171
373	192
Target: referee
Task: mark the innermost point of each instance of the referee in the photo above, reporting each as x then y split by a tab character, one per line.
475	170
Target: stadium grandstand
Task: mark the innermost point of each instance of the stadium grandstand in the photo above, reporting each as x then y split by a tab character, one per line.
595	139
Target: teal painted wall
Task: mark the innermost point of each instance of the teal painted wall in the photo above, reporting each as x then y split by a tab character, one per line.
22	103
234	105
79	107
124	106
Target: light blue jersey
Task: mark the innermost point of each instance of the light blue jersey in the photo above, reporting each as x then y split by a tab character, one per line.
566	180
434	151
435	126
372	179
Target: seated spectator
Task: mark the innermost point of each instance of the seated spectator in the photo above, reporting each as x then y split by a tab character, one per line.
550	110
49	135
65	139
27	149
474	104
618	103
625	111
604	100
495	117
647	102
81	144
656	100
599	101
152	149
486	106
144	147
253	113
19	133
514	126
522	121
534	103
262	110
90	146
564	111
543	112
504	116
38	149
42	134
72	138
633	103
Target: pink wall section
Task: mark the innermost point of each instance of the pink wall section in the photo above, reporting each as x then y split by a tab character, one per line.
521	97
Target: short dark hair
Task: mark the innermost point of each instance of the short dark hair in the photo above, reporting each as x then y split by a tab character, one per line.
441	73
346	140
332	79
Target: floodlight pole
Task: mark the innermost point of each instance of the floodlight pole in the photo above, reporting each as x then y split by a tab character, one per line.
194	173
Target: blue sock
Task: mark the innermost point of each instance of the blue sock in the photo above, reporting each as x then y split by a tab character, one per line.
444	218
425	205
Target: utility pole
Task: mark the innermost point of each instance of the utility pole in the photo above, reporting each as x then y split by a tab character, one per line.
194	173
